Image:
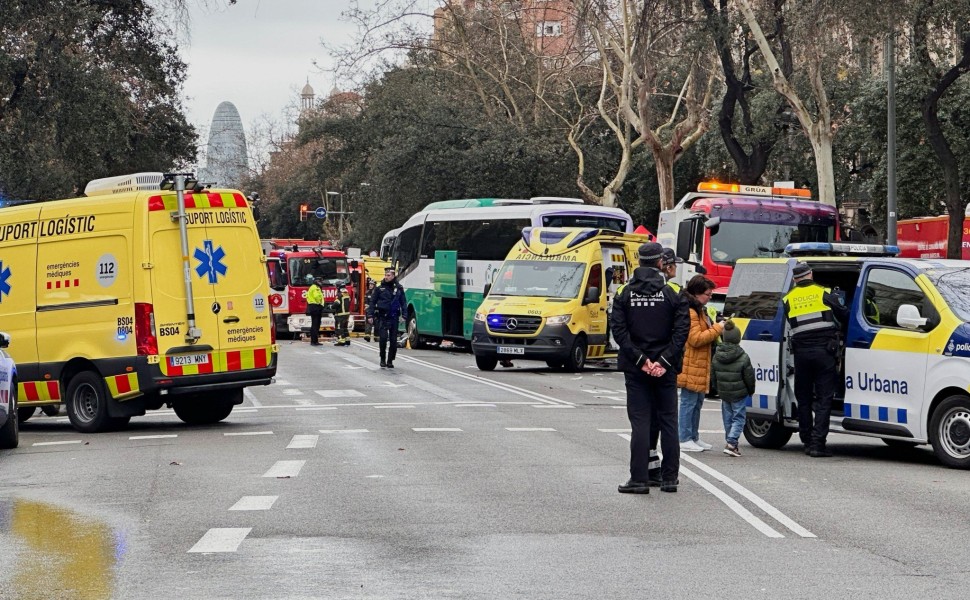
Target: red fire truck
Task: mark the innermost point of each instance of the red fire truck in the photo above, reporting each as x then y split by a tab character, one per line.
720	223
926	237
292	265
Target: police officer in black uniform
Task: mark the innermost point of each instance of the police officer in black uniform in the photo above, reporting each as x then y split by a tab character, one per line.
650	325
388	305
814	315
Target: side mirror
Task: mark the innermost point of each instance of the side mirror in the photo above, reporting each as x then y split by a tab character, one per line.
712	222
354	264
488	288
908	317
4	339
592	296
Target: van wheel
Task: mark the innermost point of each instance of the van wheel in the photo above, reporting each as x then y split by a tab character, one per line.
950	432
577	356
414	337
486	363
195	411
87	403
766	433
10	432
25	413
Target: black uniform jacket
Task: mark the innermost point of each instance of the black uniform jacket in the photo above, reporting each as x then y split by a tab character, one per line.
649	320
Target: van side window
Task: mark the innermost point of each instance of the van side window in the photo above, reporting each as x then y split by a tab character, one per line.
595	279
756	291
886	290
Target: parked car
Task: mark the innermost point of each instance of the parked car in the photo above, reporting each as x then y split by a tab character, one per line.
9	426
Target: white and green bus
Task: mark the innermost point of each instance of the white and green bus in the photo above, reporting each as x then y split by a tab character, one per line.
446	254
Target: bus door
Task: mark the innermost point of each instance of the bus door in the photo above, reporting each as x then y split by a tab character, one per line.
447	299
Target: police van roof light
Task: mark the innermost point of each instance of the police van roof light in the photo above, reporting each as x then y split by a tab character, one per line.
752	190
840	249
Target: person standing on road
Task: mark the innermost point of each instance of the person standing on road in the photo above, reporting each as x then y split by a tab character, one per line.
814	314
387	306
732	377
341	335
314	308
694	380
650	325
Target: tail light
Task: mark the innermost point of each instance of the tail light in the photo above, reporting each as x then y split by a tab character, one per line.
145	339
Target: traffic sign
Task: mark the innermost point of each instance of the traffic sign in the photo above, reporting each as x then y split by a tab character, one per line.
320	212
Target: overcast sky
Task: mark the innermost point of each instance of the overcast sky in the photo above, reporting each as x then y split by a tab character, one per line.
258	55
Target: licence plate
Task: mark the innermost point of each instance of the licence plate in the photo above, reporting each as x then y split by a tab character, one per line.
189	359
510	350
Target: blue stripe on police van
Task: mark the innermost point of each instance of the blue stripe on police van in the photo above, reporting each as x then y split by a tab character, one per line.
883	414
763	400
748	402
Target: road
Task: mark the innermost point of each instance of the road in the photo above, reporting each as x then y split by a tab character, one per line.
436	480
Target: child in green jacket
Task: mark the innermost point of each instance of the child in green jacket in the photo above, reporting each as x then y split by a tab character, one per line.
733	378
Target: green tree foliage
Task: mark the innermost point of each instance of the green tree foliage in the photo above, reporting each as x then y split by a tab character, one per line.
88	89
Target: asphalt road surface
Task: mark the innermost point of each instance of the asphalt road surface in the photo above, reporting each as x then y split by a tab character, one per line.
435	480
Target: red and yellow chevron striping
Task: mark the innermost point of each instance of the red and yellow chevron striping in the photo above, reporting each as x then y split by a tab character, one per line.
220	362
208	200
39	391
122	385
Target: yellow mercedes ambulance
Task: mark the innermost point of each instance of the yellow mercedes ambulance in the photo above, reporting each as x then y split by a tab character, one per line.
149	291
551	298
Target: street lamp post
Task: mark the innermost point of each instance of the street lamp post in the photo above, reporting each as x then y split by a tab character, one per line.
340	225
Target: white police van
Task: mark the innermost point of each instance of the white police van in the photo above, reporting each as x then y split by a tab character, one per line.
905	371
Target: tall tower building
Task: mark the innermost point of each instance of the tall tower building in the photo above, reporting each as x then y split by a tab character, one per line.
227	159
306	97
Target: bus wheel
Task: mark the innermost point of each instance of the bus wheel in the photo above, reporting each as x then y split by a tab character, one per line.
25	412
486	363
577	356
414	338
766	433
193	410
87	403
950	432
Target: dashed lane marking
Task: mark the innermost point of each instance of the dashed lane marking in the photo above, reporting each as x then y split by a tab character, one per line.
56	443
152	437
303	441
223	539
482	405
285	468
254	503
340	393
245	410
249	433
316	408
430	429
394	406
344	431
529	429
292	392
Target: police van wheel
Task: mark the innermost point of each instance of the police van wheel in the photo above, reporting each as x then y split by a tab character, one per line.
577	356
10	432
486	363
87	403
25	412
950	432
766	433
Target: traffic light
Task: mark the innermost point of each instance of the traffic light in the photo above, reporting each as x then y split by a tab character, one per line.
304	208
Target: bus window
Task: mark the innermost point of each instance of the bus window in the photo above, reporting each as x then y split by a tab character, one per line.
406	248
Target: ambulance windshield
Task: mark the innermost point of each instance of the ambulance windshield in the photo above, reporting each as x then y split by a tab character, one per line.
953	284
539	278
332	270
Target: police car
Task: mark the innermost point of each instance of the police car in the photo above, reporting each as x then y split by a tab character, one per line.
9	426
905	364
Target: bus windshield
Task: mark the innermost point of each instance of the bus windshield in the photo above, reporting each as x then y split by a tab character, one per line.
539	278
731	240
304	270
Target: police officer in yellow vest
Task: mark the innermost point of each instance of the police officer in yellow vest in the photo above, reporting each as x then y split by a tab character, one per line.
814	315
341	316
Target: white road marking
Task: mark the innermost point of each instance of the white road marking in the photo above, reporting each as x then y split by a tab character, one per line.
478	405
245	410
303	441
628	430
529	429
249	433
226	539
391	384
254	503
158	413
340	393
280	382
56	443
292	392
344	431
252	397
394	406
552	406
374	476
424	429
152	437
285	468
316	408
352	367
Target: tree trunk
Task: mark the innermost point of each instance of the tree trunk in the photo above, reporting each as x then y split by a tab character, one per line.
664	164
822	147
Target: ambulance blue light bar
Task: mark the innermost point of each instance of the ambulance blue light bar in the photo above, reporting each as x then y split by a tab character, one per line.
840	249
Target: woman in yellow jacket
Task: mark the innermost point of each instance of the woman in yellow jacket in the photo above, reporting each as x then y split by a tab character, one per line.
695	377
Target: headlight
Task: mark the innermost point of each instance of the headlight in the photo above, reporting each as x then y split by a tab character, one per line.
480	317
560	320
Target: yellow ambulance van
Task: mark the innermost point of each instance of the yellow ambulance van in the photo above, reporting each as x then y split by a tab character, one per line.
550	299
904	366
150	291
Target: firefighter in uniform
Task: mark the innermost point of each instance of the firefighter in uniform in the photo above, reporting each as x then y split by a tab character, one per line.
650	325
341	337
814	315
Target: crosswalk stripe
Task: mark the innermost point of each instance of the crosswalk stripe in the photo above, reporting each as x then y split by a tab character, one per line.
254	503
303	441
285	468
221	539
